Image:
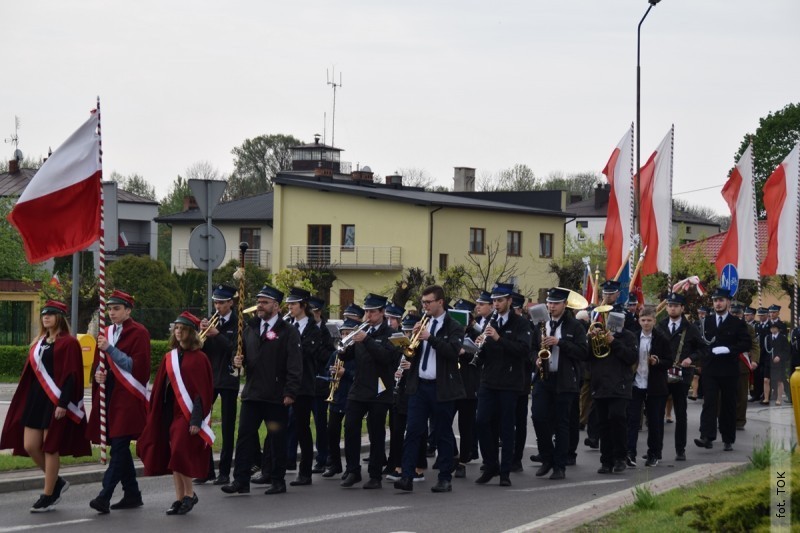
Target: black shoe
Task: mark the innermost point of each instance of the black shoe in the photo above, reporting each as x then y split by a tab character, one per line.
44	504
187	504
128	501
592	443
204	480
630	461
619	467
277	487
222	480
680	456
100	505
703	443
536	458
728	447
373	483
505	480
62	485
544	469
301	481
572	461
388	469
668	421
461	471
739	428
651	461
261	479
605	469
318	469
255	469
430	452
173	509
350	479
442	486
486	476
558	473
516	466
237	487
405	484
291	467
332	471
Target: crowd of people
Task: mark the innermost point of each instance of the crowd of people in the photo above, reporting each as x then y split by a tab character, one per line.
606	370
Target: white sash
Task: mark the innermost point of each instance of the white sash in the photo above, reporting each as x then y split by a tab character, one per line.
183	398
74	411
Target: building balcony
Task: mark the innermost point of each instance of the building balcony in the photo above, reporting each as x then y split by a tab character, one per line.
252	257
346	257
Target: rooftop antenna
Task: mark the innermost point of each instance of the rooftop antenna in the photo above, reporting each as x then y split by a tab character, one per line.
14	139
324	126
331	77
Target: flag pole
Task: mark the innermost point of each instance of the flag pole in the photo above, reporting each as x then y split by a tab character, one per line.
755	215
101	293
671	211
796	242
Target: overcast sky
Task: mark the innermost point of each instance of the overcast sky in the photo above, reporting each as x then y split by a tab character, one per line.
428	84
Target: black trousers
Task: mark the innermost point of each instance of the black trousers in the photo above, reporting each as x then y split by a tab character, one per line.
334	434
228	415
574	426
320	411
550	413
398	430
496	407
612	419
302	422
252	414
679	391
120	468
376	427
520	427
466	410
719	396
654	411
423	406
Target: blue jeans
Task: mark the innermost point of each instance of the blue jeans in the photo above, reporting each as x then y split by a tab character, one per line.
120	469
421	406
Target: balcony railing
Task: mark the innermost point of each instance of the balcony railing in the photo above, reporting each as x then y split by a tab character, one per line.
347	257
252	257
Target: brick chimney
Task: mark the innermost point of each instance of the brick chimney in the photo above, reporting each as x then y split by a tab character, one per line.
189	202
13	166
394	179
601	193
363	174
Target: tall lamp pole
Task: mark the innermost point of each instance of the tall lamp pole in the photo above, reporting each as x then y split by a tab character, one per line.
639	114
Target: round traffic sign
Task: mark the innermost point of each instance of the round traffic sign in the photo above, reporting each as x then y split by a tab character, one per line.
729	278
199	247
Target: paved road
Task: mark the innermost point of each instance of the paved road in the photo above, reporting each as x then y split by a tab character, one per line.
327	507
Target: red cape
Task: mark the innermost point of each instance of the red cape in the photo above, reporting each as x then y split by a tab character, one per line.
164	450
64	436
126	413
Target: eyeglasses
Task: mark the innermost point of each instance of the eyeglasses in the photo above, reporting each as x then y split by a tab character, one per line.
427	302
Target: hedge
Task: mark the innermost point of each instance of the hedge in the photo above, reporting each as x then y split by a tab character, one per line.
12	358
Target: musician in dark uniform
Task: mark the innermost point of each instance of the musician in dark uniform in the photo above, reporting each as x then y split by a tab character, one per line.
727	338
761	327
695	390
220	346
321	386
611	296
394	319
685	349
273	359
506	344
371	394
776	359
466	407
434	384
554	397
521	411
748	362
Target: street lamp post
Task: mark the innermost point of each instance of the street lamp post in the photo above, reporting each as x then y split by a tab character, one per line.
639	114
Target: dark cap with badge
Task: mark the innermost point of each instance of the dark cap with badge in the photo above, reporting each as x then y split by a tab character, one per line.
353	311
270	292
464	305
720	293
223	293
557	295
409	321
749	310
703	309
737	309
394	311
762	311
296	294
485	297
349	323
610	286
774	308
502	290
317	304
632	299
374	301
675	298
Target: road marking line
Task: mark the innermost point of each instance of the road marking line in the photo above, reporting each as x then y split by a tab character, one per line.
569	485
40	526
323	518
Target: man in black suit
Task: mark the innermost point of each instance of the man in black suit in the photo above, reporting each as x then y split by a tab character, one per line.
727	338
371	393
553	397
685	349
434	384
505	345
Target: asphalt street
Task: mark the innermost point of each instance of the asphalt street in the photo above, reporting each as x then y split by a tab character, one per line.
325	506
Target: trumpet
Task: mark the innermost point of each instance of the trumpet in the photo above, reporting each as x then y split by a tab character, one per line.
212	323
410	350
337	365
347	341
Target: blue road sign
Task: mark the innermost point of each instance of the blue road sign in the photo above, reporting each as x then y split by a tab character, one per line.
729	278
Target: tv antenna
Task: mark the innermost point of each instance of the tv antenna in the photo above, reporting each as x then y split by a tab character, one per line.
14	139
331	77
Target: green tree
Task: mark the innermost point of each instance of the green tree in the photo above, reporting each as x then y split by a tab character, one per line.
156	291
484	270
170	204
254	279
454	282
581	184
256	162
135	184
776	135
570	268
13	264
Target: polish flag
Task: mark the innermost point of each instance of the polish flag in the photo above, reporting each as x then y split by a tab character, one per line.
122	239
619	220
781	203
58	213
589	291
655	191
740	247
55	282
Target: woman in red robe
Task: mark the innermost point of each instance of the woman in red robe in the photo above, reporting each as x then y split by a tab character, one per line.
177	437
46	418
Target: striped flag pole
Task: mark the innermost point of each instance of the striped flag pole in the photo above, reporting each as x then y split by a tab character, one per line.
101	292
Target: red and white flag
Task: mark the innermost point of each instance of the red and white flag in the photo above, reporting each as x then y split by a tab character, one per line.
55	282
781	204
619	219
655	199
589	291
58	213
740	247
122	239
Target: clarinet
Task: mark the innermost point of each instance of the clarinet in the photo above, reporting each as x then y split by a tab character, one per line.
493	323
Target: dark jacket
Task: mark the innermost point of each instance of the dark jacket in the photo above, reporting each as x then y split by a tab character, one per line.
612	376
273	367
693	347
503	360
376	358
777	347
313	357
572	350
733	335
657	373
322	386
470	373
447	342
220	350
